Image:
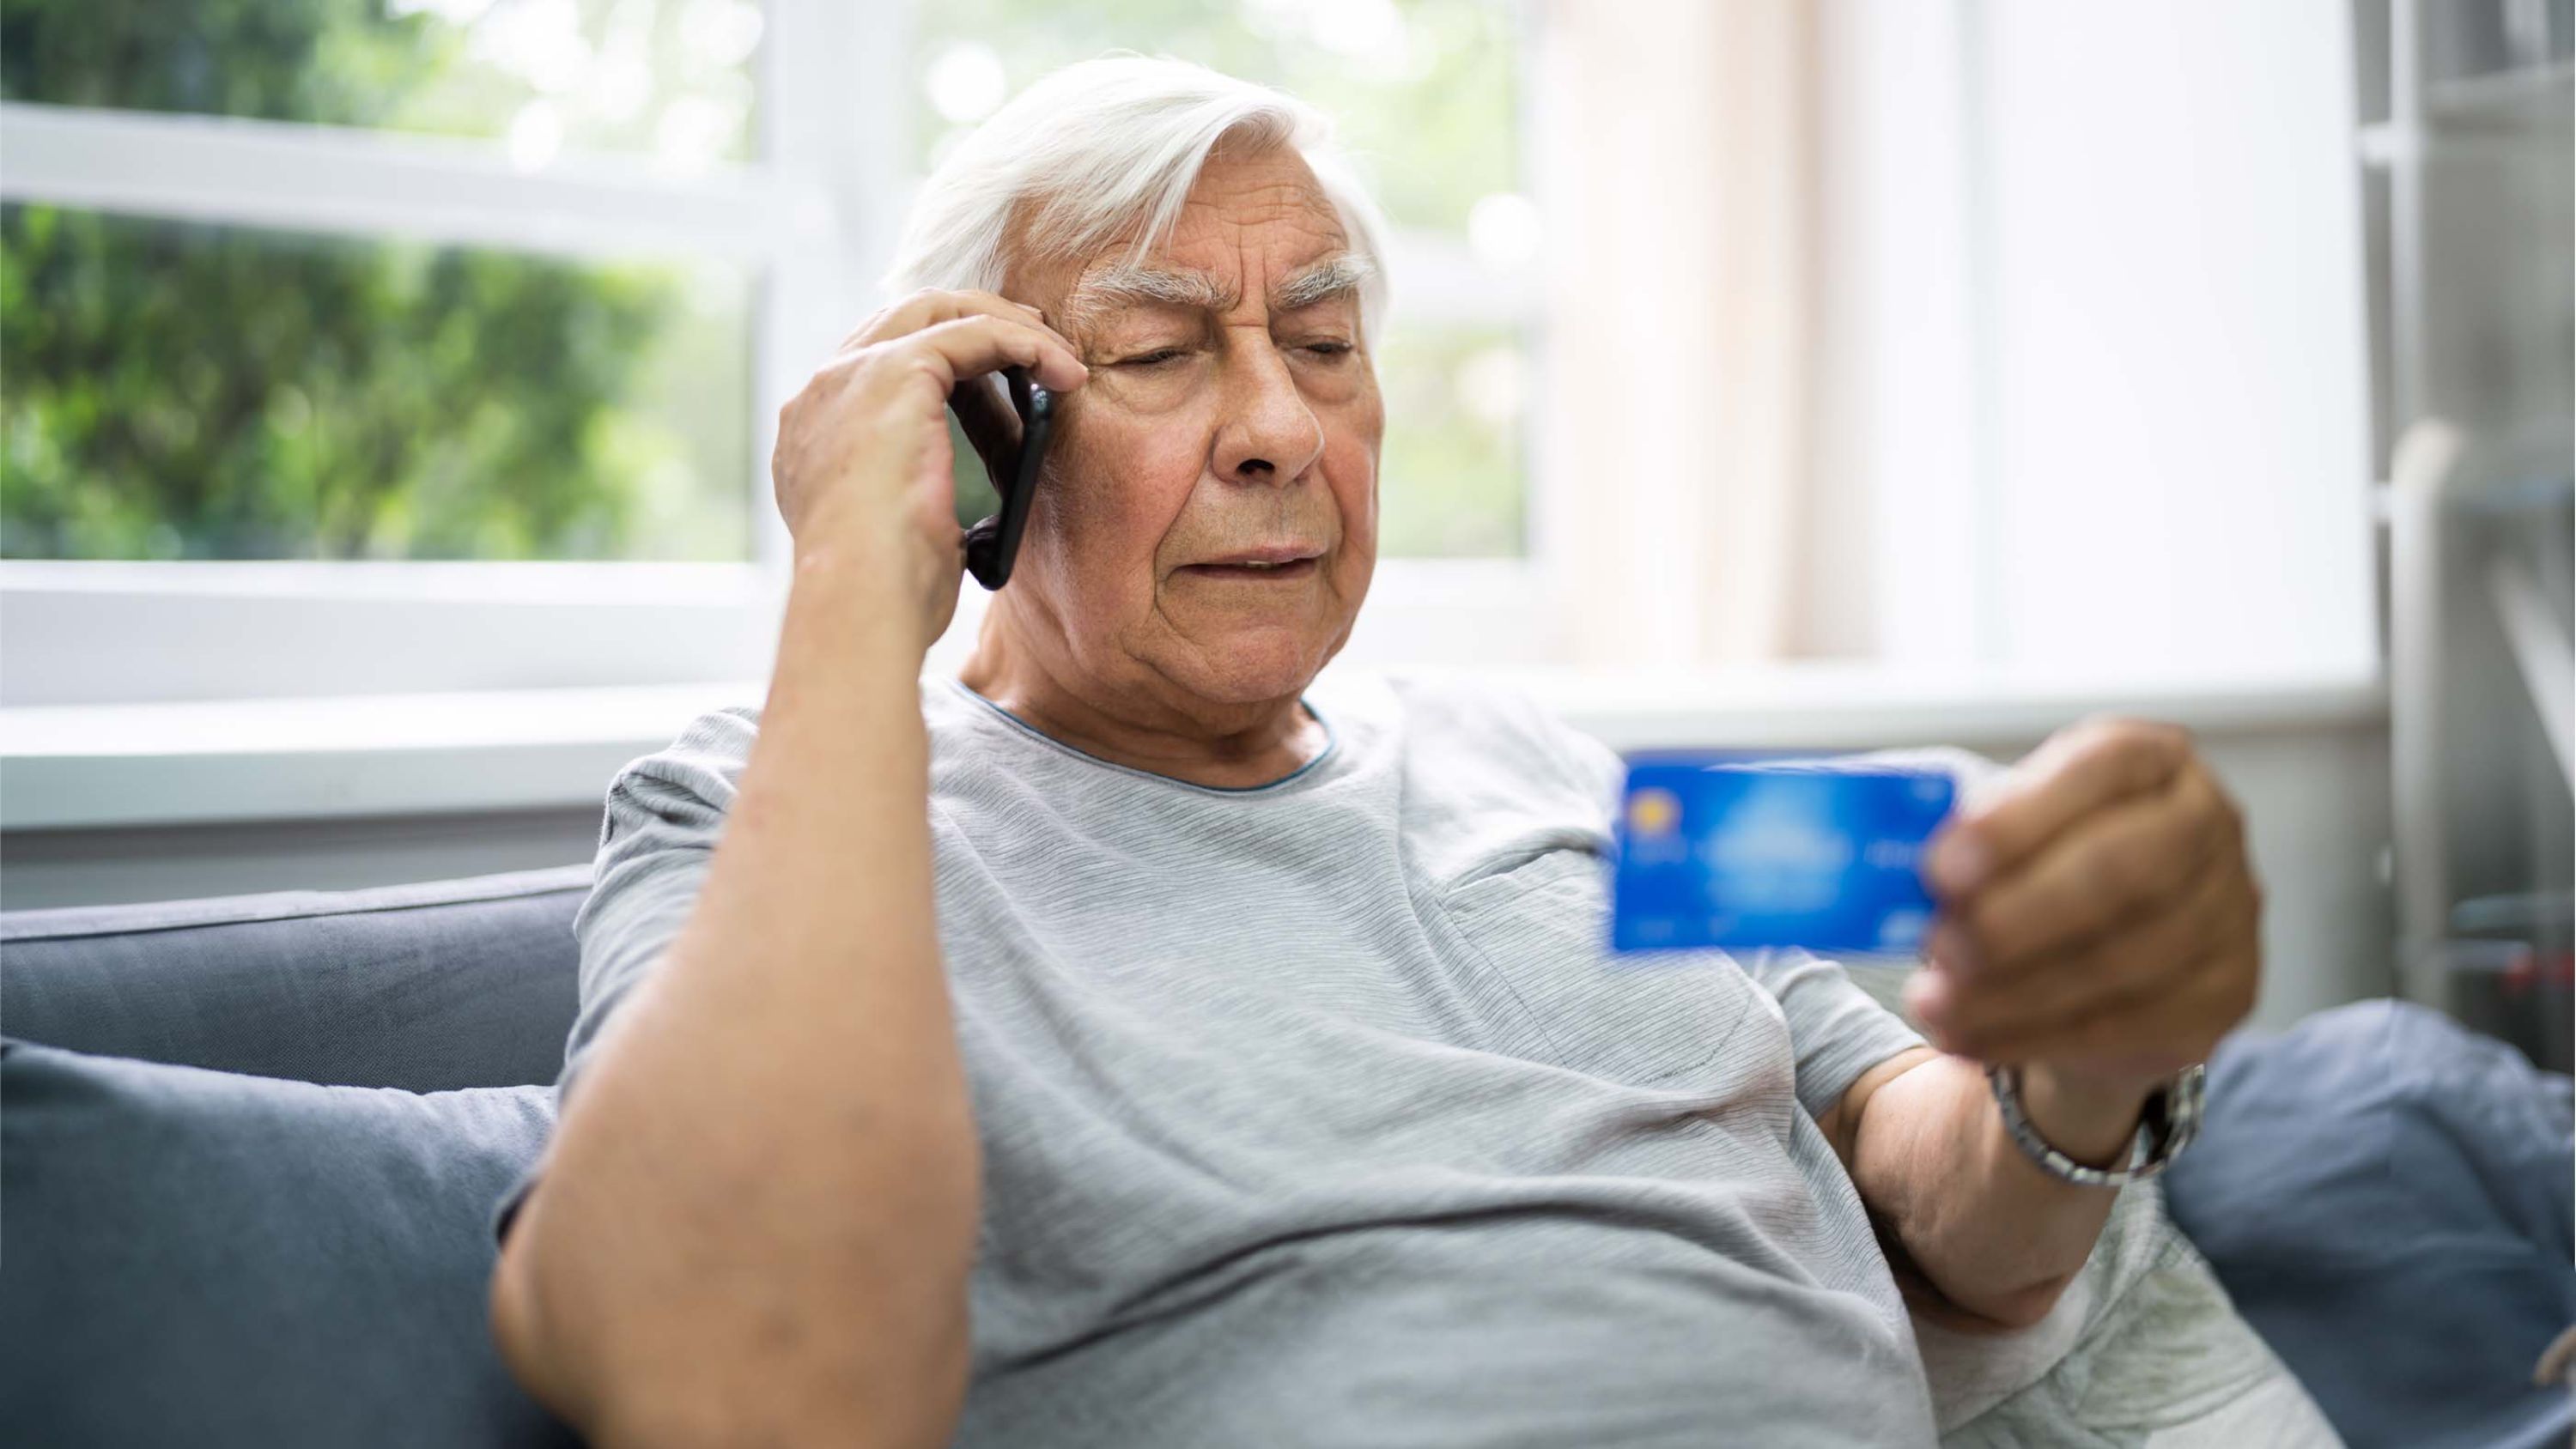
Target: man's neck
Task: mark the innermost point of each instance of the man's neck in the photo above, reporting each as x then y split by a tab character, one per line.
1222	744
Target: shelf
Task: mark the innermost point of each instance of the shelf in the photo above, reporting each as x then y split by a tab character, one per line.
2500	99
2482	115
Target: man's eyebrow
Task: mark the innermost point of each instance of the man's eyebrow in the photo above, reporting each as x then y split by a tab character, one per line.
1129	282
1321	281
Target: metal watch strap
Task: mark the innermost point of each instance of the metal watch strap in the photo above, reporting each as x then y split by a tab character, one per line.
2165	1126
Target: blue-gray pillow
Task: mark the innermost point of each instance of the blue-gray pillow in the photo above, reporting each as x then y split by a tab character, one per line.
197	1257
2386	1196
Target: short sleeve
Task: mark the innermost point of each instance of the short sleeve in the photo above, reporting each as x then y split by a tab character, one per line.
657	836
1837	1031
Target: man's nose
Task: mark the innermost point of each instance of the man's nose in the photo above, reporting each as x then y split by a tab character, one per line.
1269	434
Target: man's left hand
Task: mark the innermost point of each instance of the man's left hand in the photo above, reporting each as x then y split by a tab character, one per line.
2098	917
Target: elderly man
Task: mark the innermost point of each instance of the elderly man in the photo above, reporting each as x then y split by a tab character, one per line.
1136	1042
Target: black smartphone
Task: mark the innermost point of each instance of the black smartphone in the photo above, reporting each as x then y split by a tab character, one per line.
994	543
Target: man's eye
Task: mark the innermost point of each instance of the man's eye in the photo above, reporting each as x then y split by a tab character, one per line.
1155	358
1329	349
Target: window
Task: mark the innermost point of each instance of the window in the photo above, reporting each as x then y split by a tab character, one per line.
192	389
672	82
182	389
358	345
369	345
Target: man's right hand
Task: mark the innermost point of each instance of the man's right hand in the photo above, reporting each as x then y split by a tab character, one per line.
863	464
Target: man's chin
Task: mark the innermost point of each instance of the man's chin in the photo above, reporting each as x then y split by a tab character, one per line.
1250	664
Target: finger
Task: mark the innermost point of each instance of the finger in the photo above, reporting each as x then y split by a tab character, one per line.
1973	1016
2076	772
2124	862
932	306
2193	1006
971	346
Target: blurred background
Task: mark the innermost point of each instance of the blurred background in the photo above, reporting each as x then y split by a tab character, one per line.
385	393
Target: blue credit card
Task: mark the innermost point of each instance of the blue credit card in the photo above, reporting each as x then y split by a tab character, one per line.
1743	854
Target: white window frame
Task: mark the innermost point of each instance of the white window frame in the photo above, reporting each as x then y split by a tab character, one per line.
812	223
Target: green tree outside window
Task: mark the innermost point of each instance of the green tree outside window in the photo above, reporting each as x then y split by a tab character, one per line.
177	390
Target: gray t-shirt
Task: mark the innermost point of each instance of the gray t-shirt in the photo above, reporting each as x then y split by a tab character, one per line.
1317	1113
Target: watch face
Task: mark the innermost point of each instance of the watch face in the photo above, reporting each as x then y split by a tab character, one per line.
2182	1106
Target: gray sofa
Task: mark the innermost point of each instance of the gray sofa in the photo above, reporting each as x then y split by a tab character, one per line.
250	1150
202	1244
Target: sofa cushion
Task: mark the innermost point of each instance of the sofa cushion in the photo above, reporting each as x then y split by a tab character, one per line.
194	1257
459	983
2387	1197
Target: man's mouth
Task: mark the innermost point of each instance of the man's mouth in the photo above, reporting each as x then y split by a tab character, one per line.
1261	563
1256	572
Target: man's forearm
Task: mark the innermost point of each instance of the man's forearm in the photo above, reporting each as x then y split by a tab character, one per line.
762	1199
1986	1227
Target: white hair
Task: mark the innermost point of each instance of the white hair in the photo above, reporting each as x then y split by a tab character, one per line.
1102	147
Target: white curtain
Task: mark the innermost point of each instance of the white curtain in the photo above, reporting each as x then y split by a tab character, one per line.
1678	154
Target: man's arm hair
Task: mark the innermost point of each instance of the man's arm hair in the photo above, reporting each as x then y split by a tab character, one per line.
760	1206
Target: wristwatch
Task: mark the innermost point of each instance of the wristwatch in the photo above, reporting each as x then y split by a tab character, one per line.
2165	1127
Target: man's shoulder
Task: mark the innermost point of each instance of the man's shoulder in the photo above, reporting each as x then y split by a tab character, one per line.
1500	725
1429	702
717	739
701	768
1482	704
725	727
691	779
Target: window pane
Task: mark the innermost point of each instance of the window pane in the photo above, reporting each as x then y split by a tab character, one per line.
1425	95
673	80
179	390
